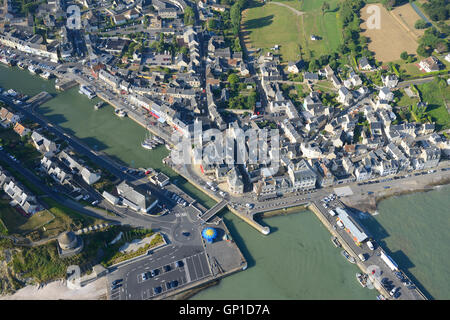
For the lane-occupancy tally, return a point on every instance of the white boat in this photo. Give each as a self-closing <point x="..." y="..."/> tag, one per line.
<point x="46" y="75"/>
<point x="87" y="91"/>
<point x="362" y="279"/>
<point x="12" y="93"/>
<point x="21" y="65"/>
<point x="4" y="60"/>
<point x="121" y="113"/>
<point x="158" y="139"/>
<point x="348" y="256"/>
<point x="33" y="69"/>
<point x="336" y="242"/>
<point x="98" y="105"/>
<point x="146" y="144"/>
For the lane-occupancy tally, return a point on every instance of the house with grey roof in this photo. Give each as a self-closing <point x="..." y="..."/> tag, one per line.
<point x="138" y="201"/>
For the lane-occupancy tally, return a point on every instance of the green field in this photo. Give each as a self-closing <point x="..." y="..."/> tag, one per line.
<point x="270" y="24"/>
<point x="434" y="93"/>
<point x="14" y="222"/>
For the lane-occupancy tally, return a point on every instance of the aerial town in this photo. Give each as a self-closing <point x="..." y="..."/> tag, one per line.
<point x="331" y="129"/>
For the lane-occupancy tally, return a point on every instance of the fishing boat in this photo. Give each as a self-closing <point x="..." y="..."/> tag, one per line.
<point x="87" y="91"/>
<point x="148" y="143"/>
<point x="33" y="69"/>
<point x="4" y="60"/>
<point x="362" y="279"/>
<point x="120" y="113"/>
<point x="336" y="242"/>
<point x="348" y="256"/>
<point x="21" y="65"/>
<point x="46" y="75"/>
<point x="98" y="105"/>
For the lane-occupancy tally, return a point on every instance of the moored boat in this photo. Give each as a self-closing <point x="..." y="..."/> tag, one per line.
<point x="87" y="91"/>
<point x="21" y="65"/>
<point x="336" y="242"/>
<point x="33" y="69"/>
<point x="362" y="279"/>
<point x="120" y="113"/>
<point x="46" y="75"/>
<point x="146" y="144"/>
<point x="348" y="256"/>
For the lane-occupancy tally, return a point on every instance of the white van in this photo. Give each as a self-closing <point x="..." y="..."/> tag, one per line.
<point x="332" y="213"/>
<point x="362" y="256"/>
<point x="370" y="245"/>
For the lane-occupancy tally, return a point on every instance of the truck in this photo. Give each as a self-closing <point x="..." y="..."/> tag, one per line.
<point x="389" y="261"/>
<point x="332" y="213"/>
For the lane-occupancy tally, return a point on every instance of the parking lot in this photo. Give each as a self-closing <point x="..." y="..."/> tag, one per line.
<point x="153" y="277"/>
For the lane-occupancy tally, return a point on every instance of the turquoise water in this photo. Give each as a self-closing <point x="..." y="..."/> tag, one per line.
<point x="297" y="260"/>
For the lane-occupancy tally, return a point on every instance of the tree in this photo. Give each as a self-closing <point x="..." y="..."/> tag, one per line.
<point x="189" y="16"/>
<point x="423" y="51"/>
<point x="212" y="24"/>
<point x="235" y="15"/>
<point x="325" y="7"/>
<point x="233" y="79"/>
<point x="313" y="65"/>
<point x="404" y="55"/>
<point x="421" y="24"/>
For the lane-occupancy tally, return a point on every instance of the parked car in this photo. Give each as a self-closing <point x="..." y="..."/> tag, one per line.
<point x="179" y="264"/>
<point x="157" y="290"/>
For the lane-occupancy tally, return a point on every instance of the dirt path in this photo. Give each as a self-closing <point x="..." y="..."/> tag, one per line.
<point x="298" y="13"/>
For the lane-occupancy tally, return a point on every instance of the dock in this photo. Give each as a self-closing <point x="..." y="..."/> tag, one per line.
<point x="373" y="262"/>
<point x="39" y="99"/>
<point x="64" y="84"/>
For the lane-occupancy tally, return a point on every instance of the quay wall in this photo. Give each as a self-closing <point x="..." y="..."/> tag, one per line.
<point x="327" y="225"/>
<point x="348" y="248"/>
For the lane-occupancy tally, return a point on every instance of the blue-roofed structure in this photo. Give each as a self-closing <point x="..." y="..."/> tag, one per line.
<point x="351" y="226"/>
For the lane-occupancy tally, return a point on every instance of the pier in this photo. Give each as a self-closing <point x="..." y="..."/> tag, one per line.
<point x="39" y="99"/>
<point x="65" y="84"/>
<point x="373" y="262"/>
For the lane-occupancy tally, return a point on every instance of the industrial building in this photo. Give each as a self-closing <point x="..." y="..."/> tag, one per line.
<point x="351" y="226"/>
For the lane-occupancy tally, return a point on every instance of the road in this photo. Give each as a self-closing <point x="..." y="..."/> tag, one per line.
<point x="31" y="177"/>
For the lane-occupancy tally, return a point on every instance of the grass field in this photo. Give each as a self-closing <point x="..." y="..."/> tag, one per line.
<point x="391" y="39"/>
<point x="263" y="26"/>
<point x="435" y="95"/>
<point x="16" y="223"/>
